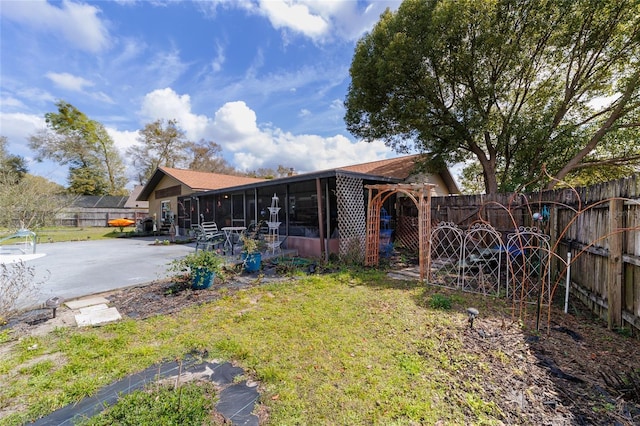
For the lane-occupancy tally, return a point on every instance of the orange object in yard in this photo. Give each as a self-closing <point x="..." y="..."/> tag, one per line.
<point x="121" y="223"/>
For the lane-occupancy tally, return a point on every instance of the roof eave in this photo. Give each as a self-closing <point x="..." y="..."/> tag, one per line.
<point x="298" y="178"/>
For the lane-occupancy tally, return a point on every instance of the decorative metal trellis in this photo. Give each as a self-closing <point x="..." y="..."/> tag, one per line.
<point x="481" y="260"/>
<point x="446" y="253"/>
<point x="478" y="261"/>
<point x="529" y="272"/>
<point x="350" y="202"/>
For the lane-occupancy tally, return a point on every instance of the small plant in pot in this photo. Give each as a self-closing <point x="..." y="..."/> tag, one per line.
<point x="201" y="266"/>
<point x="251" y="252"/>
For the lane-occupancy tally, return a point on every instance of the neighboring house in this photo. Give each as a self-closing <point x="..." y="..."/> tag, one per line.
<point x="96" y="210"/>
<point x="168" y="184"/>
<point x="315" y="208"/>
<point x="133" y="203"/>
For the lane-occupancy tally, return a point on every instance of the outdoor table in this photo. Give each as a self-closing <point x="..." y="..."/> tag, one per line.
<point x="229" y="231"/>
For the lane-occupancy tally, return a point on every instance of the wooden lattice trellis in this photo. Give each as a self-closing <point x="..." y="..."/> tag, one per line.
<point x="420" y="194"/>
<point x="350" y="200"/>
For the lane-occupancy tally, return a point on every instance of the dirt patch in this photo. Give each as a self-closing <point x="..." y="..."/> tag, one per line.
<point x="168" y="296"/>
<point x="555" y="379"/>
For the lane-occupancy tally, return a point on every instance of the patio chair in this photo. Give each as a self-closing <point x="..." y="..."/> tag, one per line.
<point x="208" y="237"/>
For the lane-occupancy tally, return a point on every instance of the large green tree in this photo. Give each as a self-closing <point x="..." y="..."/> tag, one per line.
<point x="524" y="87"/>
<point x="72" y="139"/>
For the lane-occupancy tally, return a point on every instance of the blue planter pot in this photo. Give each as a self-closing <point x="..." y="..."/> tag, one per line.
<point x="251" y="261"/>
<point x="202" y="278"/>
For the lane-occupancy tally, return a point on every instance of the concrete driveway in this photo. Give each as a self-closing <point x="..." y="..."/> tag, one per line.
<point x="76" y="269"/>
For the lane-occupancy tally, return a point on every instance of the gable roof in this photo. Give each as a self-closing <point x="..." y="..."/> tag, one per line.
<point x="132" y="201"/>
<point x="197" y="181"/>
<point x="394" y="168"/>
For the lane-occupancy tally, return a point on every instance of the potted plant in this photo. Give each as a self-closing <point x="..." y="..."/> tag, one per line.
<point x="251" y="251"/>
<point x="201" y="266"/>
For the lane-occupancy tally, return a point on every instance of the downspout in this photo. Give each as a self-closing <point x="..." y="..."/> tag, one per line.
<point x="320" y="216"/>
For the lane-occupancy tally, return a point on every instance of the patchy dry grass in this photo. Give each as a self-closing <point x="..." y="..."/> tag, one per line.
<point x="344" y="348"/>
<point x="335" y="349"/>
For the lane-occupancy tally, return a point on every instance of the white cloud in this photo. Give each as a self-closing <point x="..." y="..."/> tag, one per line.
<point x="35" y="95"/>
<point x="123" y="139"/>
<point x="249" y="145"/>
<point x="318" y="20"/>
<point x="68" y="81"/>
<point x="235" y="121"/>
<point x="165" y="68"/>
<point x="102" y="97"/>
<point x="77" y="23"/>
<point x="167" y="104"/>
<point x="74" y="83"/>
<point x="351" y="19"/>
<point x="218" y="61"/>
<point x="323" y="20"/>
<point x="10" y="102"/>
<point x="295" y="16"/>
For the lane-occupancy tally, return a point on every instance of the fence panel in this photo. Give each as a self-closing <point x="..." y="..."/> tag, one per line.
<point x="579" y="221"/>
<point x="94" y="217"/>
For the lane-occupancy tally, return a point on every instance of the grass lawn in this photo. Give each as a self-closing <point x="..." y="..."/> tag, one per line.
<point x="344" y="348"/>
<point x="65" y="233"/>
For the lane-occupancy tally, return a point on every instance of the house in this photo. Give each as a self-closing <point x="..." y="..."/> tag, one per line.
<point x="167" y="185"/>
<point x="316" y="208"/>
<point x="133" y="203"/>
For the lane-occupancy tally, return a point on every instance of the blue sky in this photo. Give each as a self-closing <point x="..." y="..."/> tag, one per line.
<point x="265" y="79"/>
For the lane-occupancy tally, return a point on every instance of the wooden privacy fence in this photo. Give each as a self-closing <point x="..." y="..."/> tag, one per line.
<point x="95" y="216"/>
<point x="599" y="225"/>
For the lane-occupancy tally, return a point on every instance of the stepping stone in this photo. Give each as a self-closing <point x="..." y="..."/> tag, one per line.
<point x="93" y="308"/>
<point x="95" y="317"/>
<point x="81" y="303"/>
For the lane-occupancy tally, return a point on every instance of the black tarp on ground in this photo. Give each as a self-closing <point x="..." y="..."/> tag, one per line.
<point x="236" y="402"/>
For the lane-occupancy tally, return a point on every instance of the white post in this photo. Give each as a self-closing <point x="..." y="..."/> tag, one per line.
<point x="567" y="284"/>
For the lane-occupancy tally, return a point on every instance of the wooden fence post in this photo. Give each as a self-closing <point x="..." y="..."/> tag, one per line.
<point x="615" y="264"/>
<point x="553" y="240"/>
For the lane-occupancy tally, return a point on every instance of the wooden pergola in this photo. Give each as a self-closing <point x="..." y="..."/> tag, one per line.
<point x="420" y="194"/>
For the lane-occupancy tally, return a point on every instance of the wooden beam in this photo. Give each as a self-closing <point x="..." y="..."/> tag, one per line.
<point x="615" y="264"/>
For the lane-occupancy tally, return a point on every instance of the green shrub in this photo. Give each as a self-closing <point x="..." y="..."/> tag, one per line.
<point x="440" y="301"/>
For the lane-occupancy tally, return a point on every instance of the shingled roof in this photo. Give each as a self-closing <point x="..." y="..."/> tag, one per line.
<point x="205" y="180"/>
<point x="197" y="181"/>
<point x="397" y="168"/>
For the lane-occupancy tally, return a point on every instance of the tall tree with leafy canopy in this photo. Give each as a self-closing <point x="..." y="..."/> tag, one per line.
<point x="161" y="143"/>
<point x="525" y="88"/>
<point x="72" y="139"/>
